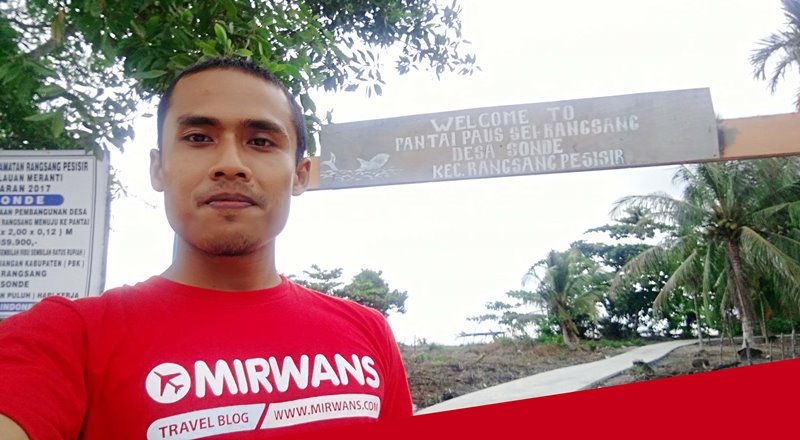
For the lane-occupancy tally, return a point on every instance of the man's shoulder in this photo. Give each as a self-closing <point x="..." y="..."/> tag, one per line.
<point x="108" y="300"/>
<point x="343" y="304"/>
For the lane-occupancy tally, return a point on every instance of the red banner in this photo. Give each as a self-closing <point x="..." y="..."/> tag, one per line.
<point x="745" y="402"/>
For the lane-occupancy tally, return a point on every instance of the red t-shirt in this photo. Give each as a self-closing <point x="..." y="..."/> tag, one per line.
<point x="161" y="360"/>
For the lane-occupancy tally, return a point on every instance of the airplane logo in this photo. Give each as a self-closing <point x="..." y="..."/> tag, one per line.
<point x="168" y="383"/>
<point x="166" y="379"/>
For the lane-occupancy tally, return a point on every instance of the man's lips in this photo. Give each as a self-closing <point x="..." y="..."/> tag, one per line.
<point x="229" y="201"/>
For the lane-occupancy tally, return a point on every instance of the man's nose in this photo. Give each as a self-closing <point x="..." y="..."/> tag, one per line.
<point x="229" y="163"/>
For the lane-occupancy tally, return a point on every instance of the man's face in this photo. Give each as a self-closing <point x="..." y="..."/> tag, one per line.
<point x="227" y="166"/>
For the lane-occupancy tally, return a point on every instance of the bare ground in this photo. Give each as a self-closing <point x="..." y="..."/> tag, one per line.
<point x="437" y="373"/>
<point x="693" y="359"/>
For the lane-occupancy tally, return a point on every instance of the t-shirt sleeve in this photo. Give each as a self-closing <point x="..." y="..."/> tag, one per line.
<point x="397" y="400"/>
<point x="42" y="358"/>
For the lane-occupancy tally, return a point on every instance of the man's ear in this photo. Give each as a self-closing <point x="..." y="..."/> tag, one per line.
<point x="156" y="180"/>
<point x="302" y="176"/>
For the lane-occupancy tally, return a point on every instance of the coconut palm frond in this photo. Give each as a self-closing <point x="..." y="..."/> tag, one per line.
<point x="765" y="214"/>
<point x="791" y="10"/>
<point x="762" y="253"/>
<point x="794" y="213"/>
<point x="787" y="187"/>
<point x="707" y="284"/>
<point x="684" y="276"/>
<point x="726" y="302"/>
<point x="650" y="259"/>
<point x="770" y="46"/>
<point x="707" y="271"/>
<point x="533" y="273"/>
<point x="711" y="179"/>
<point x="682" y="245"/>
<point x="761" y="56"/>
<point x="660" y="205"/>
<point x="788" y="303"/>
<point x="797" y="100"/>
<point x="788" y="245"/>
<point x="786" y="43"/>
<point x="684" y="174"/>
<point x="587" y="303"/>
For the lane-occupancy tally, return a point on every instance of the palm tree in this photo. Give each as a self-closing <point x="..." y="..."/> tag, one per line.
<point x="734" y="225"/>
<point x="683" y="254"/>
<point x="568" y="284"/>
<point x="785" y="45"/>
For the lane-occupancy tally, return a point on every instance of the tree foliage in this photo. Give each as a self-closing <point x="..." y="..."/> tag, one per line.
<point x="370" y="289"/>
<point x="73" y="72"/>
<point x="568" y="285"/>
<point x="728" y="250"/>
<point x="628" y="312"/>
<point x="519" y="318"/>
<point x="783" y="47"/>
<point x="367" y="288"/>
<point x="321" y="280"/>
<point x="565" y="290"/>
<point x="736" y="224"/>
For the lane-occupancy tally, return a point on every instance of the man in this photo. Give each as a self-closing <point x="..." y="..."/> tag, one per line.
<point x="220" y="342"/>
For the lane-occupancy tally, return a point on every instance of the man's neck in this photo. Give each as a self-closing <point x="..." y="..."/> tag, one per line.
<point x="253" y="271"/>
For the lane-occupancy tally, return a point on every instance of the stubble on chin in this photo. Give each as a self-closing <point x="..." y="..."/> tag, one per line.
<point x="231" y="246"/>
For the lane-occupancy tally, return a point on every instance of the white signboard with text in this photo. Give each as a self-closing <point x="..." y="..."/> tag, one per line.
<point x="53" y="226"/>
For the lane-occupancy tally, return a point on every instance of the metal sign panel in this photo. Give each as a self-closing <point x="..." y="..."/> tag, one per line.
<point x="52" y="226"/>
<point x="577" y="135"/>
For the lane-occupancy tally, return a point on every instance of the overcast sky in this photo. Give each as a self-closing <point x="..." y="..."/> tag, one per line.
<point x="453" y="246"/>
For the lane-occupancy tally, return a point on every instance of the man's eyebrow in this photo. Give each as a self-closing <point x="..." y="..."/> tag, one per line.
<point x="196" y="120"/>
<point x="266" y="125"/>
<point x="263" y="124"/>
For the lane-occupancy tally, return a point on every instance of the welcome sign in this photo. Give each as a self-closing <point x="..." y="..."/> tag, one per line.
<point x="577" y="135"/>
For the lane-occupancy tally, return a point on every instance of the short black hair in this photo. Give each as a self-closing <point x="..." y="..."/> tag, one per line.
<point x="242" y="65"/>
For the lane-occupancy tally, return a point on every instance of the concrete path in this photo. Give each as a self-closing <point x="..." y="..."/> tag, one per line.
<point x="562" y="380"/>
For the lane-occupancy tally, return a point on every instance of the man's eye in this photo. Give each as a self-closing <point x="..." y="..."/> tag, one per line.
<point x="196" y="137"/>
<point x="261" y="142"/>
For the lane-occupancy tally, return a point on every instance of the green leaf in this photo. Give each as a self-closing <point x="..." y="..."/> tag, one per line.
<point x="107" y="49"/>
<point x="311" y="146"/>
<point x="308" y="103"/>
<point x="292" y="70"/>
<point x="57" y="125"/>
<point x="207" y="48"/>
<point x="150" y="74"/>
<point x="243" y="52"/>
<point x="50" y="91"/>
<point x="153" y="22"/>
<point x="181" y="61"/>
<point x="41" y="116"/>
<point x="219" y="30"/>
<point x="138" y="29"/>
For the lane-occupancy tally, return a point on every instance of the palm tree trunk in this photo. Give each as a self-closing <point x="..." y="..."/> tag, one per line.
<point x="742" y="294"/>
<point x="569" y="333"/>
<point x="764" y="329"/>
<point x="697" y="320"/>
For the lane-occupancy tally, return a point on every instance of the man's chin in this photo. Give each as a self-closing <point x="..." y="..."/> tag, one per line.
<point x="229" y="248"/>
